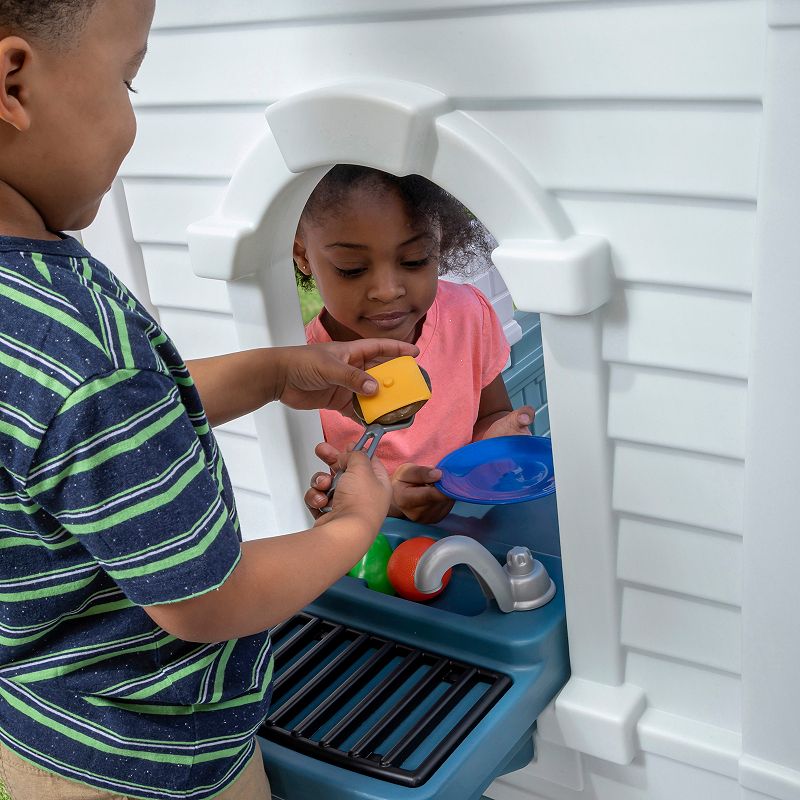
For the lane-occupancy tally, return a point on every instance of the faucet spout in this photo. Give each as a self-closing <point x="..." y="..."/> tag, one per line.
<point x="452" y="550"/>
<point x="523" y="584"/>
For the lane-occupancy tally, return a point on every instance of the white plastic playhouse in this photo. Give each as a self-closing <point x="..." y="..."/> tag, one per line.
<point x="638" y="162"/>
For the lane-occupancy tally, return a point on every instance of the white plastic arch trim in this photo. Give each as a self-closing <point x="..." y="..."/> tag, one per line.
<point x="402" y="128"/>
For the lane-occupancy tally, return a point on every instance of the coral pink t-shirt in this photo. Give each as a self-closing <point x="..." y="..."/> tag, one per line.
<point x="463" y="349"/>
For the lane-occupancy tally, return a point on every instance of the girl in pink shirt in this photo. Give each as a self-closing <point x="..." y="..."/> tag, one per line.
<point x="375" y="245"/>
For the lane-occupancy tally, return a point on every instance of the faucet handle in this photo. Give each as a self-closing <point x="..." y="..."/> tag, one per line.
<point x="531" y="586"/>
<point x="519" y="561"/>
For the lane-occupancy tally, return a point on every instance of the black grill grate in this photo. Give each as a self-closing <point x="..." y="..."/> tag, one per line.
<point x="371" y="705"/>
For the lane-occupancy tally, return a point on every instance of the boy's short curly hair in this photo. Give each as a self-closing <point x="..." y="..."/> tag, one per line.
<point x="466" y="245"/>
<point x="51" y="21"/>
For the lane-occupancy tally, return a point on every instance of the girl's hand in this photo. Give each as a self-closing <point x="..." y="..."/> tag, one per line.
<point x="415" y="497"/>
<point x="316" y="497"/>
<point x="514" y="423"/>
<point x="362" y="495"/>
<point x="326" y="375"/>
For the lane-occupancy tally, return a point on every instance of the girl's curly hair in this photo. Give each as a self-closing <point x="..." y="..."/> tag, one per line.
<point x="465" y="245"/>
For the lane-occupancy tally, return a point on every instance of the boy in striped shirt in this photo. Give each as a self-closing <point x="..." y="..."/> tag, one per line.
<point x="134" y="660"/>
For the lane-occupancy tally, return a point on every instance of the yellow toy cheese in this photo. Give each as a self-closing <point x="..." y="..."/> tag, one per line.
<point x="401" y="386"/>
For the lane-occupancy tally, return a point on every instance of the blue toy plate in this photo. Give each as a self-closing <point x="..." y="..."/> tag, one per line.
<point x="509" y="469"/>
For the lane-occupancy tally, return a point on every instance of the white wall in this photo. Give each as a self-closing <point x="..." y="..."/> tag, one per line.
<point x="644" y="120"/>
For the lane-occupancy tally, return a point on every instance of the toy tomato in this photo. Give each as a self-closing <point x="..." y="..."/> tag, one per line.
<point x="372" y="566"/>
<point x="403" y="564"/>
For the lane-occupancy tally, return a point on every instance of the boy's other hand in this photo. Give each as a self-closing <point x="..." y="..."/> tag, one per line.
<point x="326" y="375"/>
<point x="415" y="497"/>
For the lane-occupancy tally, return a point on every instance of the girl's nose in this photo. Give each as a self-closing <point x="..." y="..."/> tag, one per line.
<point x="385" y="289"/>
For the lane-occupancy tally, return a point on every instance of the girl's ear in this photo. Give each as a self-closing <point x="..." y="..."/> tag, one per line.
<point x="300" y="257"/>
<point x="15" y="55"/>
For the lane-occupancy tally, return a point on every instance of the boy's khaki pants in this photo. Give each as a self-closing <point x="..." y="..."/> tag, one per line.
<point x="24" y="781"/>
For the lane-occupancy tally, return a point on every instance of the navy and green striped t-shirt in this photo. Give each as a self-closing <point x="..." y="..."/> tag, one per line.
<point x="113" y="495"/>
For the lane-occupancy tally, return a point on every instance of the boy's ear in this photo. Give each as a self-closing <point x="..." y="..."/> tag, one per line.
<point x="300" y="257"/>
<point x="15" y="55"/>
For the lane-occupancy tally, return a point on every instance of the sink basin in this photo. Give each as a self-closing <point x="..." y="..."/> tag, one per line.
<point x="524" y="652"/>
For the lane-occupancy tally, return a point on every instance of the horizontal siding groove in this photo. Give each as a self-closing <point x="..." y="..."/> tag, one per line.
<point x="672" y="371"/>
<point x="699" y="201"/>
<point x="709" y="371"/>
<point x="679" y="523"/>
<point x="722" y="535"/>
<point x="669" y="449"/>
<point x="240" y="434"/>
<point x="431" y="12"/>
<point x="627" y="193"/>
<point x="663" y="592"/>
<point x="217" y="108"/>
<point x="744" y="103"/>
<point x="252" y="493"/>
<point x="192" y="181"/>
<point x="642" y="651"/>
<point x="334" y="19"/>
<point x="195" y="312"/>
<point x="694" y="291"/>
<point x="509" y="103"/>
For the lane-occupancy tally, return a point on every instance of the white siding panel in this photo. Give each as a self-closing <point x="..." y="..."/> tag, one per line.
<point x="678" y="329"/>
<point x="670" y="150"/>
<point x="684" y="244"/>
<point x="709" y="49"/>
<point x="684" y="560"/>
<point x="207" y="143"/>
<point x="256" y="514"/>
<point x="678" y="409"/>
<point x="244" y="461"/>
<point x="688" y="691"/>
<point x="161" y="210"/>
<point x="684" y="629"/>
<point x="703" y="491"/>
<point x="197" y="335"/>
<point x="173" y="283"/>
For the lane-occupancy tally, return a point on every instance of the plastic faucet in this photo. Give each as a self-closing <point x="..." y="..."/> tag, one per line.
<point x="521" y="585"/>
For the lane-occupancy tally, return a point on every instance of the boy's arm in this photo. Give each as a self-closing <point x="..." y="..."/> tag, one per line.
<point x="276" y="577"/>
<point x="310" y="376"/>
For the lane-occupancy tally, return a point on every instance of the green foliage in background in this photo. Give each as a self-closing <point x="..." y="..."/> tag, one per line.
<point x="3" y="793"/>
<point x="310" y="305"/>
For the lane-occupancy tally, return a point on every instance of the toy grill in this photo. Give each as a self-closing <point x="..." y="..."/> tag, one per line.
<point x="372" y="705"/>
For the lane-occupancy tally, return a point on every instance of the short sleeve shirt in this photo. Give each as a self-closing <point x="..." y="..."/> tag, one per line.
<point x="463" y="348"/>
<point x="113" y="495"/>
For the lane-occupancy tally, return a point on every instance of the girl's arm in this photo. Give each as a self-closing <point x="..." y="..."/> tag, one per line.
<point x="495" y="416"/>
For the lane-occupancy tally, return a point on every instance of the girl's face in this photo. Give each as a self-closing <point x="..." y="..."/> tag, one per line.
<point x="375" y="272"/>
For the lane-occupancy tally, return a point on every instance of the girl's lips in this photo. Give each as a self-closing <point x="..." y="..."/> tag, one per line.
<point x="388" y="321"/>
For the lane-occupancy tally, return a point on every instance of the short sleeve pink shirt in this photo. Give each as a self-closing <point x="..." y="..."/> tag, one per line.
<point x="463" y="348"/>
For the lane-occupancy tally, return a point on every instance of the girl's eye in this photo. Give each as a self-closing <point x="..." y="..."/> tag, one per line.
<point x="349" y="273"/>
<point x="419" y="263"/>
<point x="129" y="86"/>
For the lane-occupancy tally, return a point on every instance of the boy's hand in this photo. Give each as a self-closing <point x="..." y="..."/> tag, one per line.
<point x="415" y="497"/>
<point x="363" y="493"/>
<point x="326" y="375"/>
<point x="514" y="423"/>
